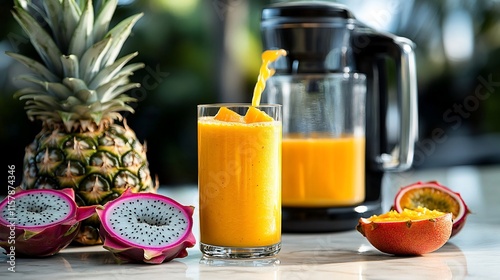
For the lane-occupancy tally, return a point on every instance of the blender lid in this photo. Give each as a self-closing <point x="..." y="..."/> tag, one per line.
<point x="313" y="10"/>
<point x="317" y="36"/>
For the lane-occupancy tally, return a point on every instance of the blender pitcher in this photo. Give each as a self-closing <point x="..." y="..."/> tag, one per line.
<point x="333" y="85"/>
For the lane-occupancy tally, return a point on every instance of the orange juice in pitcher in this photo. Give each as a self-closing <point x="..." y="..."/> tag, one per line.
<point x="322" y="171"/>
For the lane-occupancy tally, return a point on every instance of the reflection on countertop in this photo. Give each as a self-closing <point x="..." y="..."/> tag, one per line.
<point x="473" y="254"/>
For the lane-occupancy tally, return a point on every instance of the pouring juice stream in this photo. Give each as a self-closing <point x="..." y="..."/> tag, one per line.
<point x="265" y="73"/>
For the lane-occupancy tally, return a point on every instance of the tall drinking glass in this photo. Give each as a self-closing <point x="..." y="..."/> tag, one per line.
<point x="239" y="179"/>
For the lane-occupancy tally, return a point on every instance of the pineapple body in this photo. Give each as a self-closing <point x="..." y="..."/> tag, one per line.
<point x="98" y="165"/>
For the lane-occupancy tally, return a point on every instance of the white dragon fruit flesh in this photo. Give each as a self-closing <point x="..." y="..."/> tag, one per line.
<point x="40" y="222"/>
<point x="146" y="227"/>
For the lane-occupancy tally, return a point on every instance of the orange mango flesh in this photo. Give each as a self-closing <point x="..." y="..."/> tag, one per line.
<point x="254" y="115"/>
<point x="419" y="213"/>
<point x="226" y="115"/>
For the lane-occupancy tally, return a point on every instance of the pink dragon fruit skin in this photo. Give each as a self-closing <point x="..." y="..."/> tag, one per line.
<point x="45" y="239"/>
<point x="130" y="247"/>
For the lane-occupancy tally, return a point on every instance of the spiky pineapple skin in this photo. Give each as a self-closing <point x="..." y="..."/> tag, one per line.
<point x="98" y="165"/>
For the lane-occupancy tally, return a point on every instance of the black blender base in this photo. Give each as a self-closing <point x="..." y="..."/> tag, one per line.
<point x="329" y="219"/>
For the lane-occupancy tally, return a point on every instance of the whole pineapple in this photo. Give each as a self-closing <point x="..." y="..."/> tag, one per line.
<point x="77" y="90"/>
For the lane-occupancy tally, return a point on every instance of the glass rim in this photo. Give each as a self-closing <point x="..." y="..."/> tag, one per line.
<point x="353" y="75"/>
<point x="240" y="105"/>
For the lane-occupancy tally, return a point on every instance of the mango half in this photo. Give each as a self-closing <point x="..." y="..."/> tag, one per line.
<point x="410" y="232"/>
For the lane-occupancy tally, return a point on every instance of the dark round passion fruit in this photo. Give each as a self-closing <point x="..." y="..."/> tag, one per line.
<point x="433" y="196"/>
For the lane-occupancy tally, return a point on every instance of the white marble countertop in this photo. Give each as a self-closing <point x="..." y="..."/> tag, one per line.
<point x="473" y="254"/>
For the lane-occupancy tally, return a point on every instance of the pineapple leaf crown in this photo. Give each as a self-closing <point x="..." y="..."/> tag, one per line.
<point x="78" y="82"/>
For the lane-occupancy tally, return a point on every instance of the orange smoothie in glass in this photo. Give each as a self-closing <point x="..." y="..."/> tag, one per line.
<point x="323" y="172"/>
<point x="239" y="175"/>
<point x="239" y="182"/>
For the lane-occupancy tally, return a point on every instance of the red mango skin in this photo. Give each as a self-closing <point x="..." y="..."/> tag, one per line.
<point x="407" y="237"/>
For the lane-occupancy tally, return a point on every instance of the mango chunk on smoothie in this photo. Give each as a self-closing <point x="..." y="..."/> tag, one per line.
<point x="255" y="115"/>
<point x="227" y="115"/>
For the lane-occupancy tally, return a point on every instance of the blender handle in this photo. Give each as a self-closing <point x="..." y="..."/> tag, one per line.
<point x="401" y="157"/>
<point x="370" y="57"/>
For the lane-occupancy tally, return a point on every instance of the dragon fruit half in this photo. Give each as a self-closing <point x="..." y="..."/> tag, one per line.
<point x="40" y="222"/>
<point x="146" y="227"/>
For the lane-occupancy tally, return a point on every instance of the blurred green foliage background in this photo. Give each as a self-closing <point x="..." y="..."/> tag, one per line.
<point x="204" y="51"/>
<point x="182" y="45"/>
